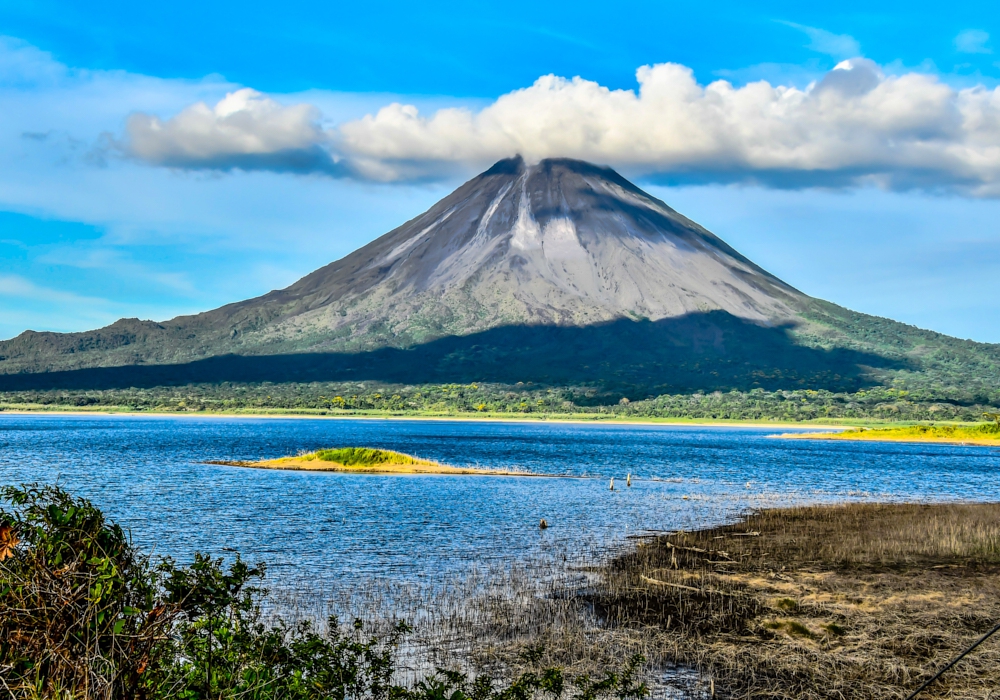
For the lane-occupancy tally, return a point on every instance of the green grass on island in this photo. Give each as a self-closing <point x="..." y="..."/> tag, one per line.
<point x="365" y="457"/>
<point x="983" y="434"/>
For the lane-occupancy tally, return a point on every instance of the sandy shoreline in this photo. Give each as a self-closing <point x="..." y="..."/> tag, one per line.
<point x="678" y="422"/>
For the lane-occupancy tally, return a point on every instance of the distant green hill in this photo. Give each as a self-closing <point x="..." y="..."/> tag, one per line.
<point x="560" y="274"/>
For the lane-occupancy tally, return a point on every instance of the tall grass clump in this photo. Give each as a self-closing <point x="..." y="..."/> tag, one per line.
<point x="85" y="615"/>
<point x="366" y="457"/>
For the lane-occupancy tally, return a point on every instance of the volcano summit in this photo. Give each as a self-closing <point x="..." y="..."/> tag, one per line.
<point x="558" y="272"/>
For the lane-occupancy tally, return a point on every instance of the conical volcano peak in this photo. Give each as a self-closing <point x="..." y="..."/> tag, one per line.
<point x="556" y="173"/>
<point x="560" y="242"/>
<point x="567" y="187"/>
<point x="554" y="188"/>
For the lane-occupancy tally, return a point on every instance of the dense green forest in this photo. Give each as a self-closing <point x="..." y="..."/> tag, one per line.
<point x="877" y="403"/>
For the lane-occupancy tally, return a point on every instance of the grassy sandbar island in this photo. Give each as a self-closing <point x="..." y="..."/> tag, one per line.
<point x="367" y="460"/>
<point x="982" y="434"/>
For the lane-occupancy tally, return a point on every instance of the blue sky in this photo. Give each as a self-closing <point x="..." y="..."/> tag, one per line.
<point x="865" y="170"/>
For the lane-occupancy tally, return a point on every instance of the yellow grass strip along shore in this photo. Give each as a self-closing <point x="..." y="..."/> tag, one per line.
<point x="376" y="415"/>
<point x="987" y="434"/>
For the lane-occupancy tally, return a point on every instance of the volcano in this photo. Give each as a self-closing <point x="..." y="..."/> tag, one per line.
<point x="560" y="272"/>
<point x="561" y="243"/>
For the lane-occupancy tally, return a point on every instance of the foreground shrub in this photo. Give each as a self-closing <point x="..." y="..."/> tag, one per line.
<point x="80" y="611"/>
<point x="84" y="614"/>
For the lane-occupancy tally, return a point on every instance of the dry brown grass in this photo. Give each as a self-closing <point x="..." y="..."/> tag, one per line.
<point x="849" y="601"/>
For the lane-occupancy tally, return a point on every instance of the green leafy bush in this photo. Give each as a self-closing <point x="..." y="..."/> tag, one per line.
<point x="80" y="613"/>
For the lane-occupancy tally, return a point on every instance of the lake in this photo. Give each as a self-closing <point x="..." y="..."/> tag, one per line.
<point x="320" y="530"/>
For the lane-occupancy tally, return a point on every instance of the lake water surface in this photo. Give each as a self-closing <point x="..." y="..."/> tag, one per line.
<point x="327" y="529"/>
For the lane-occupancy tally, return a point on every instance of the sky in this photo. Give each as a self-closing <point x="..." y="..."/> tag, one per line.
<point x="164" y="160"/>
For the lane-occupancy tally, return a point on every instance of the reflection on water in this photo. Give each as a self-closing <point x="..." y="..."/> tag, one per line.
<point x="320" y="529"/>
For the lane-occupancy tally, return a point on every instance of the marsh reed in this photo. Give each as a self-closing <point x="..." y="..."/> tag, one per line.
<point x="845" y="601"/>
<point x="486" y="620"/>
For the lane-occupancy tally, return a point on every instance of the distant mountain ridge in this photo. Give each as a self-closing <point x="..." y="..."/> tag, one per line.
<point x="560" y="244"/>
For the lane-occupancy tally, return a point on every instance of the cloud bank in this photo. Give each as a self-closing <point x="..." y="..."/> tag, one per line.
<point x="855" y="126"/>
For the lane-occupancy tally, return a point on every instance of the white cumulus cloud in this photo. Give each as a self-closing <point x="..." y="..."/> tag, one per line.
<point x="245" y="130"/>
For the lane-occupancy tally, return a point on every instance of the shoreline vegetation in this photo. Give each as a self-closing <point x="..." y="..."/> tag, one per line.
<point x="959" y="433"/>
<point x="820" y="602"/>
<point x="986" y="434"/>
<point x="85" y="614"/>
<point x="366" y="460"/>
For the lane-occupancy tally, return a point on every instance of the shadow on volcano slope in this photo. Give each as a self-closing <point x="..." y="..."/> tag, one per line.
<point x="710" y="351"/>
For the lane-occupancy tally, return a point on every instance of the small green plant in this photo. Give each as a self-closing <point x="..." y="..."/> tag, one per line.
<point x="834" y="629"/>
<point x="797" y="629"/>
<point x="792" y="627"/>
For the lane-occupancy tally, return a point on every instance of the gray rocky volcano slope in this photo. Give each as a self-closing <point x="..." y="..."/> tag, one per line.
<point x="495" y="278"/>
<point x="557" y="243"/>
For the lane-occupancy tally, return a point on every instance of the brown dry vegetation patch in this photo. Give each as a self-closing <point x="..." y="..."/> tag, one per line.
<point x="848" y="601"/>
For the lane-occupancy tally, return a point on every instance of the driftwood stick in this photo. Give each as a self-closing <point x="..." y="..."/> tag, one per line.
<point x="699" y="550"/>
<point x="681" y="586"/>
<point x="656" y="582"/>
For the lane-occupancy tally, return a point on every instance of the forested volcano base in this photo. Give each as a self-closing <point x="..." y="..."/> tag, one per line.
<point x="837" y="364"/>
<point x="515" y="400"/>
